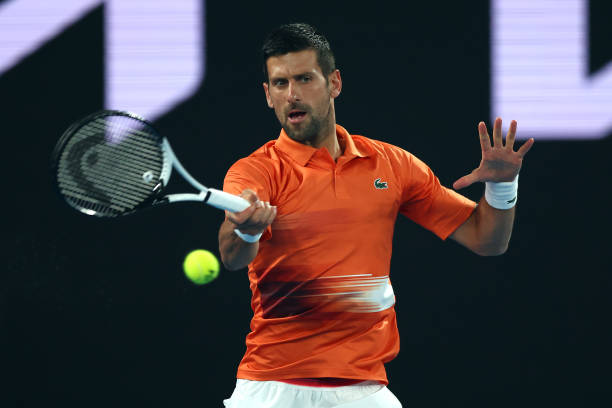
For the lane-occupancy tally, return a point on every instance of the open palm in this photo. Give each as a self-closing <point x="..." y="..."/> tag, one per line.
<point x="499" y="162"/>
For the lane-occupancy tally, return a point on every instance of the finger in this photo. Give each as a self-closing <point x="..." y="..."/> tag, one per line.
<point x="261" y="213"/>
<point x="249" y="195"/>
<point x="497" y="133"/>
<point x="231" y="217"/>
<point x="485" y="142"/>
<point x="257" y="207"/>
<point x="465" y="181"/>
<point x="511" y="135"/>
<point x="269" y="216"/>
<point x="522" y="151"/>
<point x="241" y="217"/>
<point x="260" y="220"/>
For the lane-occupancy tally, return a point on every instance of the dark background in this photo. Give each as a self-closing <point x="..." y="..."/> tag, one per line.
<point x="98" y="312"/>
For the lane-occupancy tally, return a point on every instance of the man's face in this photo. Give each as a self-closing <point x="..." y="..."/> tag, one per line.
<point x="301" y="96"/>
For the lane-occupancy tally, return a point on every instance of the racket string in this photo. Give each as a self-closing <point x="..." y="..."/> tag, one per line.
<point x="126" y="197"/>
<point x="118" y="166"/>
<point x="111" y="165"/>
<point x="121" y="165"/>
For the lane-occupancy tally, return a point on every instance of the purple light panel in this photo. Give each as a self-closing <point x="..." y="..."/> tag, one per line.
<point x="154" y="54"/>
<point x="26" y="25"/>
<point x="540" y="70"/>
<point x="154" y="50"/>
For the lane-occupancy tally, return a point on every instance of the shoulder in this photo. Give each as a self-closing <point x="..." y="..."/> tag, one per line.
<point x="262" y="159"/>
<point x="383" y="150"/>
<point x="403" y="165"/>
<point x="258" y="172"/>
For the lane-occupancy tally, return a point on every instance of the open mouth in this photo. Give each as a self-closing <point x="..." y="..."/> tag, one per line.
<point x="296" y="116"/>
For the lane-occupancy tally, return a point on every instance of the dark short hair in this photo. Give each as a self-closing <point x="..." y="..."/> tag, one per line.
<point x="298" y="37"/>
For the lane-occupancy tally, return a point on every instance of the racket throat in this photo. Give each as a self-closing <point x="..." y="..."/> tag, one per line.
<point x="158" y="188"/>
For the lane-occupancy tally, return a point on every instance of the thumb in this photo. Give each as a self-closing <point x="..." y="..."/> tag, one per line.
<point x="250" y="196"/>
<point x="242" y="216"/>
<point x="465" y="181"/>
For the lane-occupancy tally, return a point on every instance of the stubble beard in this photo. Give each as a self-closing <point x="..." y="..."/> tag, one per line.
<point x="310" y="132"/>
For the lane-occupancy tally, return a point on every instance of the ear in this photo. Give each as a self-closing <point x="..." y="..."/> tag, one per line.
<point x="267" y="91"/>
<point x="335" y="83"/>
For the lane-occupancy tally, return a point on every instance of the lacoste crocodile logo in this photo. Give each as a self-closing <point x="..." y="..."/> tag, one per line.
<point x="380" y="185"/>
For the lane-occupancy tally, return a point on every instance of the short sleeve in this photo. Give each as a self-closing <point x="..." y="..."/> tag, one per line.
<point x="428" y="203"/>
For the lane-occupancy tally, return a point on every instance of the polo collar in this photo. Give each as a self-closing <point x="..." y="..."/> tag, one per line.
<point x="302" y="153"/>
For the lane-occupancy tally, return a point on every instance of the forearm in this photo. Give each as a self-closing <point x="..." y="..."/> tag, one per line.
<point x="492" y="229"/>
<point x="235" y="253"/>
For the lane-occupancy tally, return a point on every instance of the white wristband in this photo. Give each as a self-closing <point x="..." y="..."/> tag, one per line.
<point x="502" y="195"/>
<point x="247" y="237"/>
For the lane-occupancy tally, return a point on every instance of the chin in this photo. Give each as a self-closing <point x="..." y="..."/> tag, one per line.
<point x="294" y="135"/>
<point x="305" y="132"/>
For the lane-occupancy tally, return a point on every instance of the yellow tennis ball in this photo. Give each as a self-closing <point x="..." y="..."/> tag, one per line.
<point x="201" y="266"/>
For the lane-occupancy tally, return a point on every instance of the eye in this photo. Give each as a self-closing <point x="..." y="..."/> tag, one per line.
<point x="279" y="82"/>
<point x="305" y="78"/>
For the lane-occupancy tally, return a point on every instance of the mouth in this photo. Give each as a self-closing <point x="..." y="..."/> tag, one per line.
<point x="296" y="116"/>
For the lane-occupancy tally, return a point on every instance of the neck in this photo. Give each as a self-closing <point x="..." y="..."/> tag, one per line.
<point x="329" y="140"/>
<point x="327" y="137"/>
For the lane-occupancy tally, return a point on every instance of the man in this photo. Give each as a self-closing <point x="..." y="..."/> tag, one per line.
<point x="317" y="236"/>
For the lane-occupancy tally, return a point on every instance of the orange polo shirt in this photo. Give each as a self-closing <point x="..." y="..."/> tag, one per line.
<point x="322" y="298"/>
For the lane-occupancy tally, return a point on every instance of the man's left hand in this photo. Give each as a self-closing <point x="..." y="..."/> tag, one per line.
<point x="499" y="162"/>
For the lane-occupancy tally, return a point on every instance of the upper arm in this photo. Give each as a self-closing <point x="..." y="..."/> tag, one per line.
<point x="428" y="203"/>
<point x="465" y="234"/>
<point x="487" y="231"/>
<point x="252" y="174"/>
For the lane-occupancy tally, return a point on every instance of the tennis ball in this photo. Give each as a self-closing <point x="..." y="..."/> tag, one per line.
<point x="201" y="266"/>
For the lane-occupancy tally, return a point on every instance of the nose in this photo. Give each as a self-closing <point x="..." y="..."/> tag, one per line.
<point x="293" y="95"/>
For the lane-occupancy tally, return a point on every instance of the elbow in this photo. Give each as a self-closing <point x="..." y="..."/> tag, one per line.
<point x="229" y="265"/>
<point x="491" y="250"/>
<point x="232" y="263"/>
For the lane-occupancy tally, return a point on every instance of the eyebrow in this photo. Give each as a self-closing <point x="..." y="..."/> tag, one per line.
<point x="296" y="76"/>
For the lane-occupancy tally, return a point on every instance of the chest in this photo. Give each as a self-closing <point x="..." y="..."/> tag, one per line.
<point x="362" y="189"/>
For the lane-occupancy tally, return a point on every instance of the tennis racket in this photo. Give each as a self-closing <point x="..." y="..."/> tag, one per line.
<point x="113" y="163"/>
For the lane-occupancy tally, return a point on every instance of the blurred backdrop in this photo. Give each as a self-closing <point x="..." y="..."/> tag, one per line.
<point x="98" y="312"/>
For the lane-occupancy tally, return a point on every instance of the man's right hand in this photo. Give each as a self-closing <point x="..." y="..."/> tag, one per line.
<point x="254" y="219"/>
<point x="235" y="252"/>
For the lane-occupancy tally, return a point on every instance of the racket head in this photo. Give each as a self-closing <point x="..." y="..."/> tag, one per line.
<point x="110" y="163"/>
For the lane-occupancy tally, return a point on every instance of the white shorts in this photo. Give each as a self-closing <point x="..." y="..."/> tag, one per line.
<point x="275" y="394"/>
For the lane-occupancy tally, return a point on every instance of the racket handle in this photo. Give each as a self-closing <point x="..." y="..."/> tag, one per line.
<point x="226" y="201"/>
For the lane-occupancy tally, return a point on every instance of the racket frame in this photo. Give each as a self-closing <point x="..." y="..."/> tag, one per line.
<point x="213" y="197"/>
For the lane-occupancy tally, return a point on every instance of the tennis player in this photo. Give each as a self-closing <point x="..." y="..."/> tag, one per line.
<point x="317" y="237"/>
